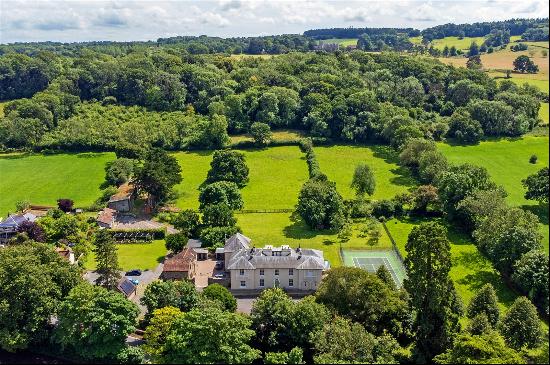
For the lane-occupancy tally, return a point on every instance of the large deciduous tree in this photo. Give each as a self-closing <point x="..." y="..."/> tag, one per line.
<point x="320" y="205"/>
<point x="178" y="294"/>
<point x="485" y="301"/>
<point x="226" y="192"/>
<point x="521" y="325"/>
<point x="531" y="275"/>
<point x="94" y="322"/>
<point x="432" y="294"/>
<point x="222" y="295"/>
<point x="537" y="186"/>
<point x="33" y="281"/>
<point x="208" y="336"/>
<point x="363" y="180"/>
<point x="228" y="166"/>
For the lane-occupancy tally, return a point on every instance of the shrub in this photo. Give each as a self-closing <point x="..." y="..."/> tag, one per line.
<point x="65" y="205"/>
<point x="222" y="295"/>
<point x="533" y="159"/>
<point x="176" y="242"/>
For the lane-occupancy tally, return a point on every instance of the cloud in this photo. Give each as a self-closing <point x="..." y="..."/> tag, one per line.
<point x="214" y="19"/>
<point x="423" y="13"/>
<point x="57" y="25"/>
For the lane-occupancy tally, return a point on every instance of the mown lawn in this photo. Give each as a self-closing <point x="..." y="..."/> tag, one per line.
<point x="338" y="163"/>
<point x="277" y="135"/>
<point x="276" y="177"/>
<point x="144" y="256"/>
<point x="507" y="161"/>
<point x="42" y="179"/>
<point x="194" y="167"/>
<point x="543" y="112"/>
<point x="285" y="229"/>
<point x="470" y="269"/>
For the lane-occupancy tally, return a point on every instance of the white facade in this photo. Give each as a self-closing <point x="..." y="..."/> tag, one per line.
<point x="268" y="267"/>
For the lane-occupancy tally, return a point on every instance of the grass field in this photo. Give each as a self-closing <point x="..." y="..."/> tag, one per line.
<point x="194" y="167"/>
<point x="543" y="112"/>
<point x="507" y="161"/>
<point x="42" y="179"/>
<point x="2" y="103"/>
<point x="144" y="256"/>
<point x="463" y="44"/>
<point x="276" y="176"/>
<point x="339" y="162"/>
<point x="344" y="42"/>
<point x="469" y="271"/>
<point x="285" y="229"/>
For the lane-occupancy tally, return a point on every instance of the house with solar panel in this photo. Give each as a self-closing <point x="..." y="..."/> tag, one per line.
<point x="10" y="226"/>
<point x="260" y="268"/>
<point x="127" y="288"/>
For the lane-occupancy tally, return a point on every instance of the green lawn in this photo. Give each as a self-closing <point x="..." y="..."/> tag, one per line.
<point x="42" y="179"/>
<point x="507" y="161"/>
<point x="470" y="270"/>
<point x="144" y="256"/>
<point x="194" y="167"/>
<point x="463" y="44"/>
<point x="276" y="177"/>
<point x="543" y="112"/>
<point x="284" y="229"/>
<point x="339" y="162"/>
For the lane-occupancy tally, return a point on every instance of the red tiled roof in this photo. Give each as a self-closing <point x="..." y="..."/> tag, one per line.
<point x="106" y="216"/>
<point x="180" y="262"/>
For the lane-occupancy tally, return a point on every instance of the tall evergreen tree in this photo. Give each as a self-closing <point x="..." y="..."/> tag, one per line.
<point x="432" y="293"/>
<point x="521" y="326"/>
<point x="107" y="260"/>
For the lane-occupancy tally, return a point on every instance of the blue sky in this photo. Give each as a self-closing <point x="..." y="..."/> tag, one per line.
<point x="69" y="20"/>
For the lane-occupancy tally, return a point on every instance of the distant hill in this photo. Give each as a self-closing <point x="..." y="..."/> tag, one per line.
<point x="328" y="33"/>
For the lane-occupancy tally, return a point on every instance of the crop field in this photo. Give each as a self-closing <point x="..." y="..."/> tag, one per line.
<point x="144" y="256"/>
<point x="503" y="60"/>
<point x="507" y="161"/>
<point x="42" y="179"/>
<point x="286" y="229"/>
<point x="469" y="271"/>
<point x="338" y="163"/>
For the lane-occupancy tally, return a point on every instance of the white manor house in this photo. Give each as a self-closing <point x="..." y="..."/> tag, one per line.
<point x="268" y="267"/>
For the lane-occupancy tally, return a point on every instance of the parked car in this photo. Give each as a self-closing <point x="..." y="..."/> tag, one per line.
<point x="133" y="272"/>
<point x="220" y="275"/>
<point x="219" y="265"/>
<point x="134" y="281"/>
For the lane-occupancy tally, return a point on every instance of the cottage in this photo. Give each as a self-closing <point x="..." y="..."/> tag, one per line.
<point x="268" y="267"/>
<point x="180" y="266"/>
<point x="123" y="200"/>
<point x="106" y="218"/>
<point x="10" y="226"/>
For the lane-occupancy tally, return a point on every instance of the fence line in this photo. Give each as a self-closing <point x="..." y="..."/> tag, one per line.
<point x="394" y="245"/>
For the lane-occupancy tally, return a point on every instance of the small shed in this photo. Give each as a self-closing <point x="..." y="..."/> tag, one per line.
<point x="123" y="200"/>
<point x="127" y="288"/>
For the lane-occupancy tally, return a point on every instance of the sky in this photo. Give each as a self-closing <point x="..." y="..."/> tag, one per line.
<point x="92" y="20"/>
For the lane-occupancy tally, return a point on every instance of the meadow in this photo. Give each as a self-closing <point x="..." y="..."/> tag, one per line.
<point x="338" y="163"/>
<point x="507" y="161"/>
<point x="469" y="271"/>
<point x="194" y="167"/>
<point x="42" y="179"/>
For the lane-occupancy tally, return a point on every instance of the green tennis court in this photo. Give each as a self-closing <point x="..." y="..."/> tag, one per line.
<point x="371" y="260"/>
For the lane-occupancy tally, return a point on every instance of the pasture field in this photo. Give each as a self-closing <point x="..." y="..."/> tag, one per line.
<point x="338" y="163"/>
<point x="144" y="256"/>
<point x="544" y="113"/>
<point x="286" y="229"/>
<point x="469" y="271"/>
<point x="276" y="177"/>
<point x="42" y="179"/>
<point x="194" y="167"/>
<point x="507" y="161"/>
<point x="344" y="42"/>
<point x="463" y="44"/>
